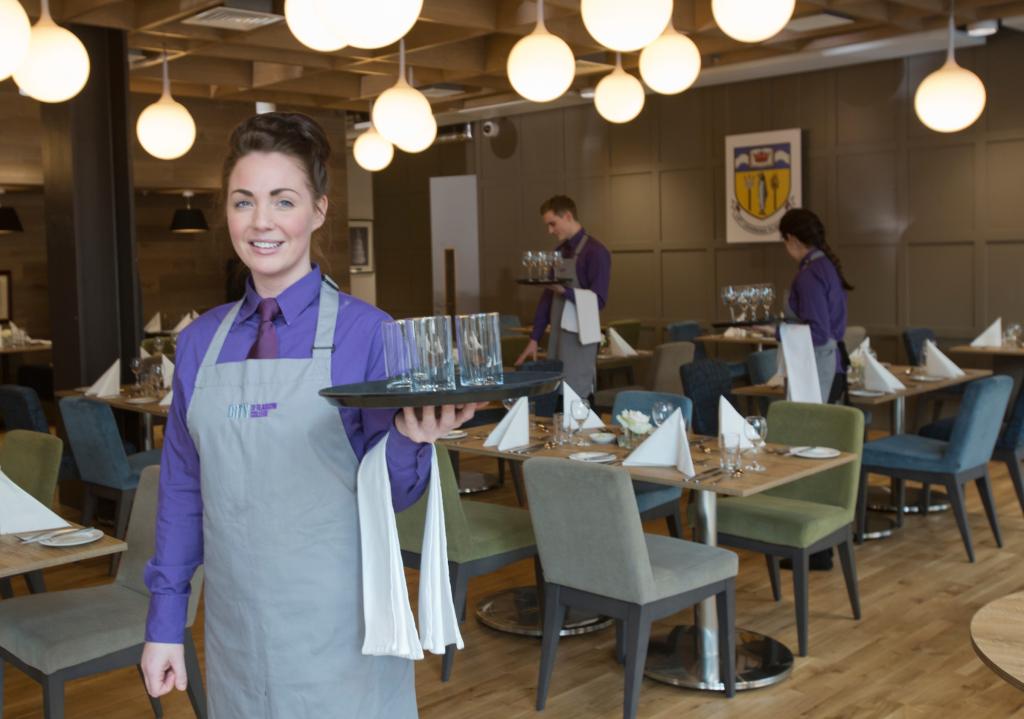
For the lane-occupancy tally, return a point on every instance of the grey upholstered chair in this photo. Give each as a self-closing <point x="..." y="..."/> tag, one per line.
<point x="596" y="556"/>
<point x="59" y="636"/>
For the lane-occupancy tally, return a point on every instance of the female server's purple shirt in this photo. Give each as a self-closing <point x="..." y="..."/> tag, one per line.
<point x="358" y="357"/>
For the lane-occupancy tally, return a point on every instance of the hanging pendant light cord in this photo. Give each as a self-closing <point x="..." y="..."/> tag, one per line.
<point x="167" y="77"/>
<point x="540" y="14"/>
<point x="952" y="28"/>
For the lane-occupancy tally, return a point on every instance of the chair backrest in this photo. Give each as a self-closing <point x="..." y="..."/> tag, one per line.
<point x="511" y="347"/>
<point x="853" y="336"/>
<point x="685" y="331"/>
<point x="668" y="358"/>
<point x="704" y="381"/>
<point x="643" y="401"/>
<point x="913" y="343"/>
<point x="822" y="425"/>
<point x="628" y="330"/>
<point x="545" y="405"/>
<point x="95" y="442"/>
<point x="588" y="528"/>
<point x="761" y="365"/>
<point x="141" y="539"/>
<point x="32" y="461"/>
<point x="21" y="409"/>
<point x="412" y="520"/>
<point x="978" y="422"/>
<point x="1013" y="436"/>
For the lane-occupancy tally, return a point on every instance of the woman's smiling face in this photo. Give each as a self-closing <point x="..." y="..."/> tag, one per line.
<point x="272" y="214"/>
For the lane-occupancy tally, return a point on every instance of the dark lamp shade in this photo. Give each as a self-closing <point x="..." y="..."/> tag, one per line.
<point x="9" y="221"/>
<point x="189" y="220"/>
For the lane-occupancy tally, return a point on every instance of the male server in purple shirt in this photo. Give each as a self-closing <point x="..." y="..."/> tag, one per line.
<point x="589" y="268"/>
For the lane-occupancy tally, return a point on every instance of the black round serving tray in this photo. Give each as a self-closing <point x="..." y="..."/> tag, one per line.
<point x="377" y="395"/>
<point x="556" y="281"/>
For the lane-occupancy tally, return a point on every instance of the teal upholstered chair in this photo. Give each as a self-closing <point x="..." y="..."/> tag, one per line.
<point x="797" y="519"/>
<point x="482" y="538"/>
<point x="20" y="408"/>
<point x="60" y="636"/>
<point x="596" y="557"/>
<point x="761" y="367"/>
<point x="951" y="464"/>
<point x="656" y="500"/>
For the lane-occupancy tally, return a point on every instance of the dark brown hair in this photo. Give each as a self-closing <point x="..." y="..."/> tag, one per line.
<point x="559" y="204"/>
<point x="806" y="227"/>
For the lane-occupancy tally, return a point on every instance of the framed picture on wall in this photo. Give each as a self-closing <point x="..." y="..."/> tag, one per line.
<point x="6" y="296"/>
<point x="763" y="180"/>
<point x="360" y="246"/>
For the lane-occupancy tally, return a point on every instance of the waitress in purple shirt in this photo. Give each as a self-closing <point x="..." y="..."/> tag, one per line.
<point x="258" y="473"/>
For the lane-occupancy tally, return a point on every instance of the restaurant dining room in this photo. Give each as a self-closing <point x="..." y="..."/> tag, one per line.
<point x="485" y="358"/>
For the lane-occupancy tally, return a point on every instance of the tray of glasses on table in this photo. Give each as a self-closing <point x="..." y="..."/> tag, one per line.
<point x="555" y="281"/>
<point x="377" y="395"/>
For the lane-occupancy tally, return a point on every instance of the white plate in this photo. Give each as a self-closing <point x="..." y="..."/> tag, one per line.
<point x="925" y="378"/>
<point x="865" y="393"/>
<point x="141" y="400"/>
<point x="593" y="457"/>
<point x="73" y="539"/>
<point x="817" y="453"/>
<point x="455" y="434"/>
<point x="602" y="437"/>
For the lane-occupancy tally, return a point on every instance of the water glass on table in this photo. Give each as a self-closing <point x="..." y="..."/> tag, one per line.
<point x="756" y="429"/>
<point x="559" y="437"/>
<point x="729" y="452"/>
<point x="580" y="410"/>
<point x="135" y="365"/>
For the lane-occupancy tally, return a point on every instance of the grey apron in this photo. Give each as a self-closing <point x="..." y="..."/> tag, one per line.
<point x="284" y="618"/>
<point x="824" y="355"/>
<point x="579" y="362"/>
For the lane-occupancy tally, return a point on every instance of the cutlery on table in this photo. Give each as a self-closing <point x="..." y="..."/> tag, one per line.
<point x="51" y="534"/>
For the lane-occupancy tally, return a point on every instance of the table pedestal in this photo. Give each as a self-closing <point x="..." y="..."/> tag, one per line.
<point x="880" y="499"/>
<point x="474" y="482"/>
<point x="879" y="526"/>
<point x="518" y="611"/>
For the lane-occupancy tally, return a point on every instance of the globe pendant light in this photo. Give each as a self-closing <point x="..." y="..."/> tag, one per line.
<point x="370" y="24"/>
<point x="15" y="32"/>
<point x="166" y="129"/>
<point x="952" y="97"/>
<point x="541" y="66"/>
<point x="56" y="66"/>
<point x="372" y="151"/>
<point x="402" y="114"/>
<point x="671" y="63"/>
<point x="624" y="25"/>
<point x="305" y="19"/>
<point x="619" y="97"/>
<point x="752" y="20"/>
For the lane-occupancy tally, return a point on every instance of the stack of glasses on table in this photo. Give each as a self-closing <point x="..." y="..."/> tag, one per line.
<point x="743" y="301"/>
<point x="149" y="377"/>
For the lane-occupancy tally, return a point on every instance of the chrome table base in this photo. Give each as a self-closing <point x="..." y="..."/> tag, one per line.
<point x="473" y="482"/>
<point x="517" y="611"/>
<point x="879" y="526"/>
<point x="880" y="499"/>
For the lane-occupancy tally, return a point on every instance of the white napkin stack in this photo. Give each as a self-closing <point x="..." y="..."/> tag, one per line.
<point x="667" y="447"/>
<point x="168" y="398"/>
<point x="387" y="614"/>
<point x="801" y="367"/>
<point x="731" y="422"/>
<point x="991" y="337"/>
<point x="582" y="316"/>
<point x="617" y="346"/>
<point x="167" y="370"/>
<point x="937" y="364"/>
<point x="21" y="512"/>
<point x="109" y="383"/>
<point x="154" y="324"/>
<point x="878" y="379"/>
<point x="185" y="321"/>
<point x="568" y="395"/>
<point x="514" y="428"/>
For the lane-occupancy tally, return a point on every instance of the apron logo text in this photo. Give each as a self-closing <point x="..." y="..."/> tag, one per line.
<point x="250" y="411"/>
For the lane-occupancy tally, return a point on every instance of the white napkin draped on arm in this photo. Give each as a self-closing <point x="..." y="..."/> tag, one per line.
<point x="390" y="628"/>
<point x="514" y="428"/>
<point x="21" y="512"/>
<point x="801" y="367"/>
<point x="582" y="316"/>
<point x="731" y="422"/>
<point x="568" y="395"/>
<point x="154" y="324"/>
<point x="991" y="337"/>
<point x="109" y="383"/>
<point x="878" y="379"/>
<point x="617" y="346"/>
<point x="936" y="364"/>
<point x="667" y="447"/>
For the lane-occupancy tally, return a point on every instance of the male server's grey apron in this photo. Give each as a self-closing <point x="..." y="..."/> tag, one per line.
<point x="579" y="361"/>
<point x="284" y="619"/>
<point x="824" y="355"/>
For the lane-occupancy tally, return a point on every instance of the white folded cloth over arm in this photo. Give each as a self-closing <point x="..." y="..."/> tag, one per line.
<point x="877" y="378"/>
<point x="390" y="628"/>
<point x="109" y="383"/>
<point x="21" y="512"/>
<point x="937" y="364"/>
<point x="617" y="346"/>
<point x="154" y="324"/>
<point x="991" y="337"/>
<point x="582" y="316"/>
<point x="667" y="447"/>
<point x="514" y="428"/>
<point x="731" y="422"/>
<point x="801" y="367"/>
<point x="568" y="395"/>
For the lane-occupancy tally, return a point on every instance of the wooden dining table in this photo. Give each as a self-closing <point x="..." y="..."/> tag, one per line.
<point x="689" y="656"/>
<point x="8" y="351"/>
<point x="997" y="635"/>
<point x="17" y="558"/>
<point x="1004" y="359"/>
<point x="125" y="402"/>
<point x="758" y="341"/>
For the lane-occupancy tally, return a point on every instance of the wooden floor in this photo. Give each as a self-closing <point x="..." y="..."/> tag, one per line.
<point x="910" y="655"/>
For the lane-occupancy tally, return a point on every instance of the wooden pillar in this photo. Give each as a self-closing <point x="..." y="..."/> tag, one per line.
<point x="90" y="218"/>
<point x="450" y="292"/>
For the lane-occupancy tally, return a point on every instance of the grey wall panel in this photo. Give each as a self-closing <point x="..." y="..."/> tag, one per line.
<point x="501" y="245"/>
<point x="941" y="283"/>
<point x="633" y="211"/>
<point x="803" y="101"/>
<point x="532" y="229"/>
<point x="687" y="291"/>
<point x="501" y="157"/>
<point x="687" y="204"/>
<point x="868" y="102"/>
<point x="872" y="270"/>
<point x="738" y="265"/>
<point x="1004" y="184"/>
<point x="634" y="290"/>
<point x="684" y="137"/>
<point x="1003" y="83"/>
<point x="1004" y="289"/>
<point x="866" y="196"/>
<point x="633" y="145"/>
<point x="591" y="197"/>
<point x="542" y="144"/>
<point x="586" y="141"/>
<point x="940" y="189"/>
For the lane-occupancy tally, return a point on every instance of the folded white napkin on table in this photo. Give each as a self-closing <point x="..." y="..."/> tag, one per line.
<point x="937" y="364"/>
<point x="991" y="337"/>
<point x="801" y="368"/>
<point x="514" y="428"/>
<point x="667" y="447"/>
<point x="168" y="398"/>
<point x="143" y="354"/>
<point x="617" y="346"/>
<point x="154" y="324"/>
<point x="389" y="626"/>
<point x="167" y="368"/>
<point x="878" y="379"/>
<point x="185" y="321"/>
<point x="857" y="355"/>
<point x="21" y="512"/>
<point x="731" y="422"/>
<point x="109" y="383"/>
<point x="568" y="395"/>
<point x="735" y="332"/>
<point x="582" y="317"/>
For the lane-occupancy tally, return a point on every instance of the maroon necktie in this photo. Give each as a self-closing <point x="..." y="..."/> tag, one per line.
<point x="265" y="346"/>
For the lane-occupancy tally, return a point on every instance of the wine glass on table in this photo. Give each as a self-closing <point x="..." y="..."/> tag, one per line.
<point x="580" y="410"/>
<point x="135" y="365"/>
<point x="660" y="412"/>
<point x="729" y="300"/>
<point x="756" y="429"/>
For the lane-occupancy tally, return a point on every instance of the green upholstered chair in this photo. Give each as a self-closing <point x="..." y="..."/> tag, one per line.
<point x="797" y="519"/>
<point x="596" y="556"/>
<point x="59" y="636"/>
<point x="32" y="461"/>
<point x="628" y="330"/>
<point x="482" y="538"/>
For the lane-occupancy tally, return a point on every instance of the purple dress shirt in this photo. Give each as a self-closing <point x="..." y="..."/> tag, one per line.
<point x="594" y="271"/>
<point x="817" y="297"/>
<point x="358" y="357"/>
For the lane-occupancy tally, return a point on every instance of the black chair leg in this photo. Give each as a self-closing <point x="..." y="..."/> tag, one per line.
<point x="154" y="703"/>
<point x="36" y="583"/>
<point x="638" y="631"/>
<point x="984" y="484"/>
<point x="554" y="617"/>
<point x="850" y="575"/>
<point x="926" y="498"/>
<point x="899" y="498"/>
<point x="53" y="697"/>
<point x="726" y="603"/>
<point x="956" y="498"/>
<point x="196" y="690"/>
<point x="1" y="686"/>
<point x="517" y="482"/>
<point x="88" y="505"/>
<point x="620" y="641"/>
<point x="675" y="523"/>
<point x="862" y="507"/>
<point x="460" y="585"/>
<point x="122" y="514"/>
<point x="1013" y="464"/>
<point x="773" y="575"/>
<point x="6" y="590"/>
<point x="801" y="569"/>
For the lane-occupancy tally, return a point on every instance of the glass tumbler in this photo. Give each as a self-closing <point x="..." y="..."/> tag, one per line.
<point x="729" y="452"/>
<point x="479" y="339"/>
<point x="396" y="354"/>
<point x="431" y="358"/>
